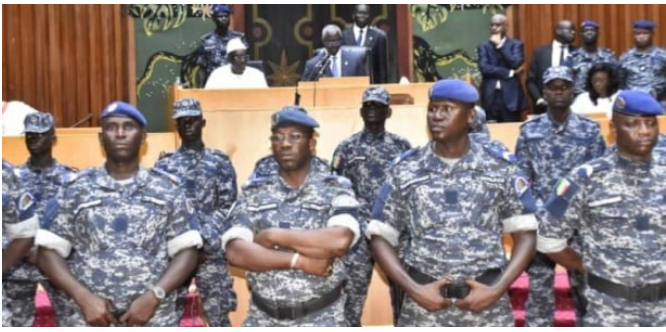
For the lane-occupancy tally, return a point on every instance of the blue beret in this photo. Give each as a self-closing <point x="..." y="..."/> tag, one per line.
<point x="455" y="90"/>
<point x="186" y="107"/>
<point x="560" y="72"/>
<point x="219" y="9"/>
<point x="644" y="24"/>
<point x="38" y="122"/>
<point x="637" y="103"/>
<point x="377" y="94"/>
<point x="120" y="108"/>
<point x="292" y="115"/>
<point x="590" y="24"/>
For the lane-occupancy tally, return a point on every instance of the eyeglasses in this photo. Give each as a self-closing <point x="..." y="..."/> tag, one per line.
<point x="291" y="138"/>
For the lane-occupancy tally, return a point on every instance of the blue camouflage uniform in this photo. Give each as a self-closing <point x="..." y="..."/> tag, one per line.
<point x="456" y="215"/>
<point x="209" y="180"/>
<point x="546" y="151"/>
<point x="645" y="71"/>
<point x="619" y="208"/>
<point x="289" y="297"/>
<point x="213" y="47"/>
<point x="580" y="61"/>
<point x="118" y="237"/>
<point x="19" y="220"/>
<point x="364" y="159"/>
<point x="43" y="184"/>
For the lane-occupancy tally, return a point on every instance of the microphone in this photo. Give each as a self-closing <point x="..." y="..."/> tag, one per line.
<point x="322" y="66"/>
<point x="78" y="123"/>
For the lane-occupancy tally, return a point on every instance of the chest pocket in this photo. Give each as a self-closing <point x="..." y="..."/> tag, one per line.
<point x="264" y="215"/>
<point x="151" y="222"/>
<point x="614" y="222"/>
<point x="426" y="203"/>
<point x="313" y="215"/>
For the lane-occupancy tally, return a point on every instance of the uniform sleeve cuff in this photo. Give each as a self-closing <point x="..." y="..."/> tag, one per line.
<point x="237" y="232"/>
<point x="24" y="229"/>
<point x="549" y="245"/>
<point x="384" y="230"/>
<point x="348" y="221"/>
<point x="523" y="222"/>
<point x="50" y="240"/>
<point x="186" y="240"/>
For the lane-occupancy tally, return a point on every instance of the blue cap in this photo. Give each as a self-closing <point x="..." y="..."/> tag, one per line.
<point x="219" y="9"/>
<point x="558" y="73"/>
<point x="589" y="24"/>
<point x="644" y="24"/>
<point x="377" y="94"/>
<point x="455" y="90"/>
<point x="636" y="103"/>
<point x="186" y="107"/>
<point x="292" y="115"/>
<point x="120" y="108"/>
<point x="479" y="121"/>
<point x="38" y="122"/>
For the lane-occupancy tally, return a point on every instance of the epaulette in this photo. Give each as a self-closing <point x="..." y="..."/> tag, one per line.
<point x="171" y="177"/>
<point x="500" y="153"/>
<point x="585" y="171"/>
<point x="164" y="154"/>
<point x="531" y="121"/>
<point x="256" y="181"/>
<point x="80" y="175"/>
<point x="403" y="156"/>
<point x="338" y="180"/>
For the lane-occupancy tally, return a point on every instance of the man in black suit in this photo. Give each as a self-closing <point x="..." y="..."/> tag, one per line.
<point x="335" y="60"/>
<point x="546" y="56"/>
<point x="500" y="61"/>
<point x="362" y="34"/>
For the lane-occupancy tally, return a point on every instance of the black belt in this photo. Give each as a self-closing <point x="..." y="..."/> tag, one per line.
<point x="457" y="289"/>
<point x="648" y="293"/>
<point x="281" y="310"/>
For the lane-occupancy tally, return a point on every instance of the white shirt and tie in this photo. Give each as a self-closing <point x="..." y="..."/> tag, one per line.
<point x="359" y="35"/>
<point x="559" y="54"/>
<point x="336" y="64"/>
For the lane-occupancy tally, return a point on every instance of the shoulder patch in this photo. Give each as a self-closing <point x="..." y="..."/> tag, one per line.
<point x="82" y="174"/>
<point x="25" y="202"/>
<point x="171" y="177"/>
<point x="521" y="185"/>
<point x="339" y="180"/>
<point x="403" y="156"/>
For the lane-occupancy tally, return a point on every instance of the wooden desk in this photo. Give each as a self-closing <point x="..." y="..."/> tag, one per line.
<point x="82" y="149"/>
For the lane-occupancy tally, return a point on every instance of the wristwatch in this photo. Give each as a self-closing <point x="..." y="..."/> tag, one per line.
<point x="159" y="292"/>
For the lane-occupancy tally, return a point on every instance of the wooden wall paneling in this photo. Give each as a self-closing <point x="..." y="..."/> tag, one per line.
<point x="69" y="60"/>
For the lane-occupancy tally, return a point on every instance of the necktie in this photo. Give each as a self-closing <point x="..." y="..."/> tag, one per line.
<point x="334" y="67"/>
<point x="561" y="55"/>
<point x="359" y="39"/>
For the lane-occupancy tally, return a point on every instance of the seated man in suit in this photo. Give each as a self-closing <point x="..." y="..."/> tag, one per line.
<point x="362" y="34"/>
<point x="500" y="61"/>
<point x="335" y="60"/>
<point x="546" y="56"/>
<point x="236" y="74"/>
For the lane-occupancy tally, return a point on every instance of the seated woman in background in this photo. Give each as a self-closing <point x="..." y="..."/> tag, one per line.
<point x="602" y="87"/>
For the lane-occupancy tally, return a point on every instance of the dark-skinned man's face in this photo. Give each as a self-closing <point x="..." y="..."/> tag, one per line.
<point x="292" y="147"/>
<point x="222" y="19"/>
<point x="590" y="35"/>
<point x="558" y="93"/>
<point x="40" y="143"/>
<point x="361" y="16"/>
<point x="190" y="128"/>
<point x="332" y="42"/>
<point x="566" y="32"/>
<point x="449" y="120"/>
<point x="121" y="138"/>
<point x="238" y="60"/>
<point x="373" y="112"/>
<point x="636" y="136"/>
<point x="642" y="38"/>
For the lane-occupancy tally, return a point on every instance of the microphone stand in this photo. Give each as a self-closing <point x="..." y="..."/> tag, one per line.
<point x="78" y="123"/>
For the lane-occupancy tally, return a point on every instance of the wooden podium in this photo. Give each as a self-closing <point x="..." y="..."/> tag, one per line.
<point x="329" y="82"/>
